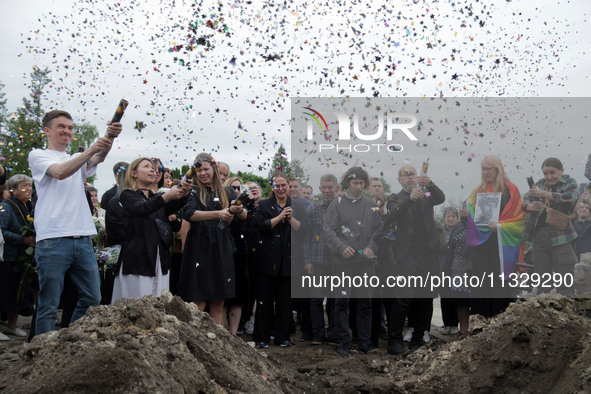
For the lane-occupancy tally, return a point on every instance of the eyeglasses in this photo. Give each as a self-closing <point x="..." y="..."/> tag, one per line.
<point x="253" y="188"/>
<point x="283" y="186"/>
<point x="236" y="187"/>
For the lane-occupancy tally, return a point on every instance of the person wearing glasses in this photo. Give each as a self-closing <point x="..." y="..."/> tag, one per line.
<point x="275" y="222"/>
<point x="238" y="230"/>
<point x="256" y="195"/>
<point x="207" y="269"/>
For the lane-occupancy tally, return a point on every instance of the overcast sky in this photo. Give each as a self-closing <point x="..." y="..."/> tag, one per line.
<point x="232" y="95"/>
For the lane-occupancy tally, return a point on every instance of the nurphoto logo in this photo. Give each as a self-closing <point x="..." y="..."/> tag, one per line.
<point x="395" y="123"/>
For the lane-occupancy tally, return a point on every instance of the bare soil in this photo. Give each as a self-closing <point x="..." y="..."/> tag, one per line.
<point x="164" y="345"/>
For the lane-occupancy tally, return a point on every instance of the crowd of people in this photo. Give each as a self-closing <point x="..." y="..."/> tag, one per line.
<point x="215" y="240"/>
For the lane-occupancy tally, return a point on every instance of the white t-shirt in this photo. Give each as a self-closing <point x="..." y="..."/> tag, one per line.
<point x="62" y="209"/>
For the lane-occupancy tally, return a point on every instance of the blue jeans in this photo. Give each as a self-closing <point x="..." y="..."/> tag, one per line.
<point x="55" y="257"/>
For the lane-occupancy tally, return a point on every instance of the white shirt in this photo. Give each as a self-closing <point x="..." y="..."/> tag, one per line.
<point x="62" y="209"/>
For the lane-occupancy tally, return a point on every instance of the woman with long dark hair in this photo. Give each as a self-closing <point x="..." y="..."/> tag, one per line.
<point x="207" y="270"/>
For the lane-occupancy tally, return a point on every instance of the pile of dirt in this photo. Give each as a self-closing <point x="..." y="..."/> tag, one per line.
<point x="540" y="345"/>
<point x="152" y="344"/>
<point x="165" y="345"/>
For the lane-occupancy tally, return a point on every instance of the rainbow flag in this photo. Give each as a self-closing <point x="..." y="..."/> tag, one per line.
<point x="512" y="224"/>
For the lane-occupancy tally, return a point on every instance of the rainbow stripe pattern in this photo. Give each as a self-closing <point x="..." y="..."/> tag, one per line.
<point x="317" y="117"/>
<point x="512" y="221"/>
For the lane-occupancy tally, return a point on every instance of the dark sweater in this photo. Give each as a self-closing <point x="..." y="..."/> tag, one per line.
<point x="353" y="223"/>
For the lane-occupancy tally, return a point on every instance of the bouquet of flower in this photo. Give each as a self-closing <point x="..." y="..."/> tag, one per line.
<point x="107" y="259"/>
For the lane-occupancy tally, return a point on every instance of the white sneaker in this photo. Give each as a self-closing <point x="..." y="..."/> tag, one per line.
<point x="249" y="326"/>
<point x="453" y="331"/>
<point x="426" y="337"/>
<point x="408" y="335"/>
<point x="17" y="332"/>
<point x="4" y="337"/>
<point x="445" y="330"/>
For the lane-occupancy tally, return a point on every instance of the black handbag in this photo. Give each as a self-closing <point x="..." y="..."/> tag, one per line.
<point x="165" y="232"/>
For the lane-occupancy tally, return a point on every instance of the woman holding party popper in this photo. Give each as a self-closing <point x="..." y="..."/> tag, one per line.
<point x="238" y="231"/>
<point x="144" y="262"/>
<point x="555" y="195"/>
<point x="207" y="270"/>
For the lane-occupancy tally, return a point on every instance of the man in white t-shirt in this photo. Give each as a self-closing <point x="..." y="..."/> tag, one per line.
<point x="63" y="222"/>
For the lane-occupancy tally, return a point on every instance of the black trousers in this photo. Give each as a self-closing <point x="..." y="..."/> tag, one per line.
<point x="341" y="317"/>
<point x="449" y="312"/>
<point x="273" y="306"/>
<point x="412" y="302"/>
<point x="422" y="310"/>
<point x="343" y="309"/>
<point x="315" y="329"/>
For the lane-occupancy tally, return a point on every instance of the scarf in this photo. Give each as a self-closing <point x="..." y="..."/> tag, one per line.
<point x="510" y="229"/>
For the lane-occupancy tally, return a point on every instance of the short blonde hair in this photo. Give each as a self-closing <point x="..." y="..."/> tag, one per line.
<point x="231" y="180"/>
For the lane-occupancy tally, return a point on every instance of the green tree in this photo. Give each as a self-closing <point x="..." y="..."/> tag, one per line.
<point x="179" y="173"/>
<point x="386" y="185"/>
<point x="297" y="171"/>
<point x="22" y="132"/>
<point x="84" y="135"/>
<point x="280" y="163"/>
<point x="262" y="182"/>
<point x="2" y="106"/>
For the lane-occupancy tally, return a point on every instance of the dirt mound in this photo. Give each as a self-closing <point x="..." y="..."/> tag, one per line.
<point x="164" y="345"/>
<point x="152" y="344"/>
<point x="541" y="345"/>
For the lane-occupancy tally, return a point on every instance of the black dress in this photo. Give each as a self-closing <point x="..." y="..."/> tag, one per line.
<point x="487" y="300"/>
<point x="207" y="269"/>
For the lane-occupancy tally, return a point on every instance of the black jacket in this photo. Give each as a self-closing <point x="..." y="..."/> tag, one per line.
<point x="399" y="210"/>
<point x="138" y="253"/>
<point x="107" y="196"/>
<point x="273" y="254"/>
